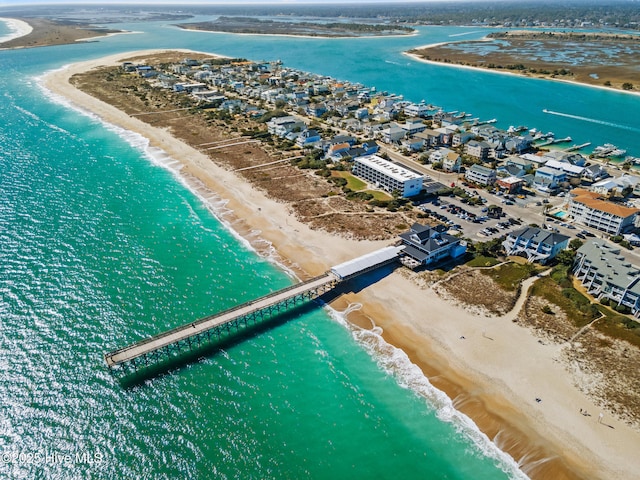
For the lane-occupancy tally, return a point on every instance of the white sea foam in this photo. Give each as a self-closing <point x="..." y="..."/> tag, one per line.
<point x="210" y="199"/>
<point x="390" y="359"/>
<point x="18" y="29"/>
<point x="397" y="364"/>
<point x="40" y="120"/>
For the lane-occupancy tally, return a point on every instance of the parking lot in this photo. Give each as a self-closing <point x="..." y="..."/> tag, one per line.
<point x="472" y="221"/>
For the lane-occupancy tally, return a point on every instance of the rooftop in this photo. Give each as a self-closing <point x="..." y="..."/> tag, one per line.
<point x="390" y="169"/>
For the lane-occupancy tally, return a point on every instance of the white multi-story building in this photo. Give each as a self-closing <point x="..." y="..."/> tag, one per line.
<point x="480" y="175"/>
<point x="535" y="244"/>
<point x="587" y="208"/>
<point x="389" y="176"/>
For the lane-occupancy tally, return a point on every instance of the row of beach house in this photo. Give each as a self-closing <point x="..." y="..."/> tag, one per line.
<point x="505" y="158"/>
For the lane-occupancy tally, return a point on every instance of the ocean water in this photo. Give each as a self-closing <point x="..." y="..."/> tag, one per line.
<point x="102" y="244"/>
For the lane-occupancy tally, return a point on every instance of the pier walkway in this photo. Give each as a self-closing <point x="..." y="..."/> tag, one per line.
<point x="193" y="335"/>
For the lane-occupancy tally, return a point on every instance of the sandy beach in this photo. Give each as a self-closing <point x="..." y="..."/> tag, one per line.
<point x="585" y="81"/>
<point x="20" y="29"/>
<point x="494" y="374"/>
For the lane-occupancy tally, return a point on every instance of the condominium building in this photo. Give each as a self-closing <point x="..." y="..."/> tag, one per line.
<point x="535" y="244"/>
<point x="589" y="209"/>
<point x="387" y="175"/>
<point x="605" y="273"/>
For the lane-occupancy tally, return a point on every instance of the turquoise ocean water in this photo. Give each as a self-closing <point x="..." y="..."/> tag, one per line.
<point x="102" y="244"/>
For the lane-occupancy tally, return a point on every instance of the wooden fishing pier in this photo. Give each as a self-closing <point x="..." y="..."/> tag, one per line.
<point x="201" y="332"/>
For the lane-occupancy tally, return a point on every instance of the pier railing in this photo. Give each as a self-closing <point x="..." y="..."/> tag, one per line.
<point x="283" y="298"/>
<point x="165" y="344"/>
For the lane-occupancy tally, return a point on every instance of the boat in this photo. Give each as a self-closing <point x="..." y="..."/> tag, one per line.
<point x="608" y="150"/>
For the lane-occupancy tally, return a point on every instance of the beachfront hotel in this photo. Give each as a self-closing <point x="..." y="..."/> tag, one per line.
<point x="387" y="175"/>
<point x="607" y="274"/>
<point x="589" y="209"/>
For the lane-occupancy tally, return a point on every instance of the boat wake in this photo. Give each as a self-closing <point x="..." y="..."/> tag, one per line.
<point x="593" y="120"/>
<point x="465" y="33"/>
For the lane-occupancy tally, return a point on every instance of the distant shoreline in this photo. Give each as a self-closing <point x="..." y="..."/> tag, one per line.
<point x="298" y="35"/>
<point x="616" y="75"/>
<point x="45" y="33"/>
<point x="419" y="58"/>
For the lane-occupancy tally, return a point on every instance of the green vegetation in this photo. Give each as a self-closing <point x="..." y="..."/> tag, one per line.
<point x="482" y="261"/>
<point x="618" y="326"/>
<point x="578" y="308"/>
<point x="509" y="276"/>
<point x="255" y="25"/>
<point x="352" y="182"/>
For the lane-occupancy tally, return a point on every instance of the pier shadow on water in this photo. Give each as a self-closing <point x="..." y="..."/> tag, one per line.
<point x="174" y="363"/>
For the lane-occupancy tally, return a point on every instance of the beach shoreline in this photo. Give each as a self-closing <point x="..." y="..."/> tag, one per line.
<point x="293" y="35"/>
<point x="494" y="374"/>
<point x="419" y="58"/>
<point x="20" y="29"/>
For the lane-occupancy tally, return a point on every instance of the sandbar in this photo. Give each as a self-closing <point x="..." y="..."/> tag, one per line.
<point x="19" y="29"/>
<point x="495" y="374"/>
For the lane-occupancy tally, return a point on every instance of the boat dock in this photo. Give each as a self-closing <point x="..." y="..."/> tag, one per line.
<point x="553" y="141"/>
<point x="577" y="147"/>
<point x="193" y="335"/>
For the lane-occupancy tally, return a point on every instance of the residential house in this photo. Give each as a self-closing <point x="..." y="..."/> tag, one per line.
<point x="451" y="162"/>
<point x="338" y="148"/>
<point x="438" y="156"/>
<point x="417" y="110"/>
<point x="535" y="244"/>
<point x="536" y="160"/>
<point x="393" y="133"/>
<point x="567" y="157"/>
<point x="426" y="245"/>
<point x="589" y="209"/>
<point x="548" y="179"/>
<point x="361" y="113"/>
<point x="316" y="109"/>
<point x="595" y="172"/>
<point x="308" y="138"/>
<point x="480" y="175"/>
<point x="460" y="138"/>
<point x="412" y="143"/>
<point x="478" y="149"/>
<point x="518" y="144"/>
<point x="616" y="187"/>
<point x="388" y="176"/>
<point x="431" y="137"/>
<point x="605" y="273"/>
<point x="446" y="134"/>
<point x="521" y="163"/>
<point x="573" y="171"/>
<point x="413" y="126"/>
<point x="282" y="126"/>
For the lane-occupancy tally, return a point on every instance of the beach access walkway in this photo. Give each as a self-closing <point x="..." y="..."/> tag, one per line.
<point x="193" y="335"/>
